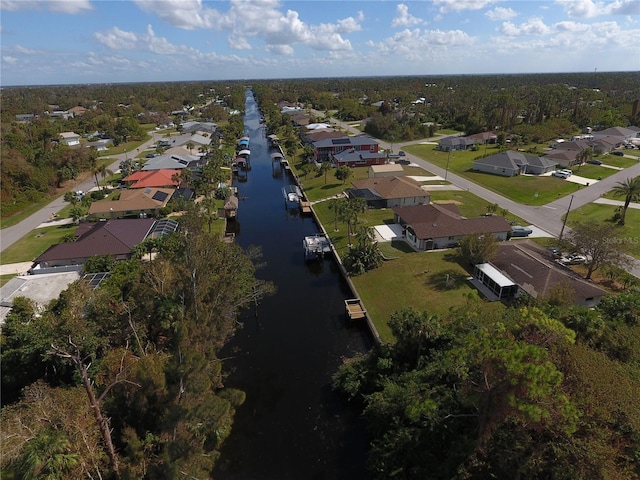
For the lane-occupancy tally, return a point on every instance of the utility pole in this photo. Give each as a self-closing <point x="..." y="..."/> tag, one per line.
<point x="446" y="171"/>
<point x="566" y="216"/>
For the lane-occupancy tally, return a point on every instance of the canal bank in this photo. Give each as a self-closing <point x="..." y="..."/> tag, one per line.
<point x="292" y="425"/>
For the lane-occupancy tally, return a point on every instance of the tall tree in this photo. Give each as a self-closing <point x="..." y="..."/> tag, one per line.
<point x="630" y="190"/>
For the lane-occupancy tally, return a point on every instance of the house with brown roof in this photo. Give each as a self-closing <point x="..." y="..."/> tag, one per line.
<point x="386" y="170"/>
<point x="115" y="238"/>
<point x="136" y="202"/>
<point x="387" y="192"/>
<point x="164" y="178"/>
<point x="433" y="226"/>
<point x="78" y="111"/>
<point x="525" y="268"/>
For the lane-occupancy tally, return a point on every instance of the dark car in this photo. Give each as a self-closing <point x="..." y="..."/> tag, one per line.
<point x="555" y="252"/>
<point x="619" y="154"/>
<point x="518" y="231"/>
<point x="594" y="161"/>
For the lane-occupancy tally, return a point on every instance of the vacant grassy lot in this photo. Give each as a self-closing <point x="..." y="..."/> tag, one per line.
<point x="629" y="234"/>
<point x="432" y="281"/>
<point x="35" y="243"/>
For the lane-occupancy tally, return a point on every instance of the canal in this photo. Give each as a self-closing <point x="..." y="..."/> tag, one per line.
<point x="292" y="425"/>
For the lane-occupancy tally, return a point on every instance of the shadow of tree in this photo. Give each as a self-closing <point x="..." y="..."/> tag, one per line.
<point x="446" y="280"/>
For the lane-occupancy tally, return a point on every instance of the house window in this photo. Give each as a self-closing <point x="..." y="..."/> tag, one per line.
<point x="450" y="238"/>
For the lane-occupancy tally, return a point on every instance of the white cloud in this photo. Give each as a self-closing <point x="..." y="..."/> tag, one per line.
<point x="116" y="39"/>
<point x="624" y="7"/>
<point x="261" y="19"/>
<point x="533" y="26"/>
<point x="500" y="13"/>
<point x="403" y="18"/>
<point x="462" y="5"/>
<point x="10" y="60"/>
<point x="24" y="50"/>
<point x="582" y="8"/>
<point x="185" y="14"/>
<point x="569" y="26"/>
<point x="62" y="6"/>
<point x="417" y="45"/>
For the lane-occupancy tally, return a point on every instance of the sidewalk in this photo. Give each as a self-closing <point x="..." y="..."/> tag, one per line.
<point x="606" y="201"/>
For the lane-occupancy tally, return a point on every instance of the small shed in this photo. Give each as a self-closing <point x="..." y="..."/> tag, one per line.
<point x="387" y="170"/>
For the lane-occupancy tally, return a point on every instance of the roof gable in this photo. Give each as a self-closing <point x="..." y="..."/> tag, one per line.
<point x="392" y="187"/>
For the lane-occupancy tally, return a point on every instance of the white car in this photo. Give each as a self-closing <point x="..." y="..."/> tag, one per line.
<point x="573" y="259"/>
<point x="560" y="174"/>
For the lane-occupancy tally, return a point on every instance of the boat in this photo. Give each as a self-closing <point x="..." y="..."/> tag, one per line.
<point x="292" y="196"/>
<point x="316" y="246"/>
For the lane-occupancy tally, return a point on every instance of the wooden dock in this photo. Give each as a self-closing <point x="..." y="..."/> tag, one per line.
<point x="305" y="206"/>
<point x="354" y="309"/>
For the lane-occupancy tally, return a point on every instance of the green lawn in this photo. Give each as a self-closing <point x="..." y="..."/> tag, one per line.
<point x="528" y="190"/>
<point x="630" y="233"/>
<point x="432" y="281"/>
<point x="616" y="161"/>
<point x="36" y="242"/>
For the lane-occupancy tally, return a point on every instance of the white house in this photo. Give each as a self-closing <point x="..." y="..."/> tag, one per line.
<point x="69" y="138"/>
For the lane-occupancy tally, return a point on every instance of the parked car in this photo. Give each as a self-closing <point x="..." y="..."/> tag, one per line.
<point x="518" y="231"/>
<point x="560" y="174"/>
<point x="618" y="153"/>
<point x="555" y="252"/>
<point x="594" y="161"/>
<point x="573" y="259"/>
<point x="401" y="153"/>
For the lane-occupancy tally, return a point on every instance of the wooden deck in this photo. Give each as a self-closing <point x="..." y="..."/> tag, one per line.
<point x="354" y="309"/>
<point x="305" y="206"/>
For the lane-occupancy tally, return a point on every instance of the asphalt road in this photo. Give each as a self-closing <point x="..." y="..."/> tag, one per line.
<point x="10" y="235"/>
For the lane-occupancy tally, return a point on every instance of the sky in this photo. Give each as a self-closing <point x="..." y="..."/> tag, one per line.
<point x="114" y="41"/>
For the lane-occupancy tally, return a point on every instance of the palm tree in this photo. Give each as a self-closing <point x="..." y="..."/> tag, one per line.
<point x="630" y="190"/>
<point x="104" y="172"/>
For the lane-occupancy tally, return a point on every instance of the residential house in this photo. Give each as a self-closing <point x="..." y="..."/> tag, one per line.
<point x="25" y="117"/>
<point x="524" y="267"/>
<point x="387" y="192"/>
<point x="433" y="226"/>
<point x="510" y="163"/>
<point x="606" y="144"/>
<point x="621" y="134"/>
<point x="205" y="127"/>
<point x="387" y="170"/>
<point x="309" y="137"/>
<point x="135" y="202"/>
<point x="78" y="111"/>
<point x="113" y="237"/>
<point x="564" y="158"/>
<point x="101" y="145"/>
<point x="192" y="162"/>
<point x="353" y="158"/>
<point x="483" y="138"/>
<point x="40" y="289"/>
<point x="163" y="178"/>
<point x="324" y="150"/>
<point x="449" y="144"/>
<point x="69" y="138"/>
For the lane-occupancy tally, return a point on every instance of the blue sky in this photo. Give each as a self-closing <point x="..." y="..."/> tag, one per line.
<point x="93" y="41"/>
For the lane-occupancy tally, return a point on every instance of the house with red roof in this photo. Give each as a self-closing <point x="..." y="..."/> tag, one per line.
<point x="163" y="178"/>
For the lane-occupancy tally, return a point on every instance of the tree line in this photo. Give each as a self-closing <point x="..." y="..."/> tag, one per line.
<point x="124" y="381"/>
